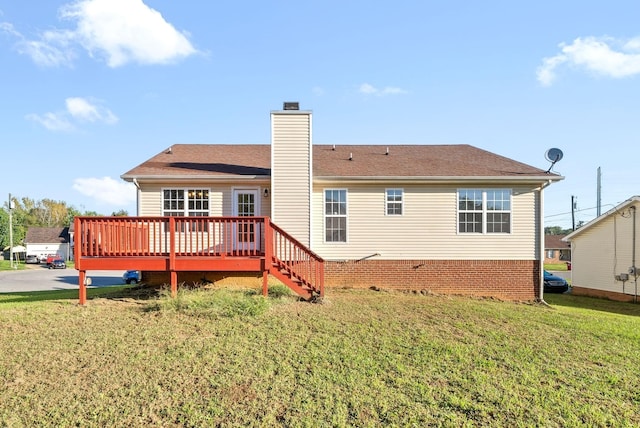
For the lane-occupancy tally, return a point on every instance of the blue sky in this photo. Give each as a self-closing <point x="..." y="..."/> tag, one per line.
<point x="92" y="88"/>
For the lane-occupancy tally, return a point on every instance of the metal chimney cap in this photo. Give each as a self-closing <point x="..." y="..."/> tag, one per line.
<point x="291" y="105"/>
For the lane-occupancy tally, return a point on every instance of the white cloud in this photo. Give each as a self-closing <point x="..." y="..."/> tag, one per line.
<point x="106" y="190"/>
<point x="368" y="89"/>
<point x="118" y="31"/>
<point x="42" y="51"/>
<point x="82" y="109"/>
<point x="77" y="109"/>
<point x="603" y="56"/>
<point x="52" y="121"/>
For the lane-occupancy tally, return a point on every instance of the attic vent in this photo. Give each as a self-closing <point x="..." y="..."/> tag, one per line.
<point x="291" y="106"/>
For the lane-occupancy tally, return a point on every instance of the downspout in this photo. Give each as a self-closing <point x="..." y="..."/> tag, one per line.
<point x="135" y="181"/>
<point x="633" y="254"/>
<point x="541" y="240"/>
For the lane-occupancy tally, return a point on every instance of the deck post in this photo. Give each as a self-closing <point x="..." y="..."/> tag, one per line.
<point x="174" y="283"/>
<point x="268" y="255"/>
<point x="82" y="279"/>
<point x="265" y="283"/>
<point x="172" y="257"/>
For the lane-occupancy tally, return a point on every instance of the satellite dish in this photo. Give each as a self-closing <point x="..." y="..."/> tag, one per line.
<point x="553" y="155"/>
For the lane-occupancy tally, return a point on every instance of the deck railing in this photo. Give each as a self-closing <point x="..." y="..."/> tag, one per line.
<point x="163" y="236"/>
<point x="192" y="243"/>
<point x="302" y="264"/>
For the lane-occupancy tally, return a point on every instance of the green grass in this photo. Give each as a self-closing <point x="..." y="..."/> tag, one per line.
<point x="362" y="358"/>
<point x="20" y="265"/>
<point x="555" y="266"/>
<point x="6" y="265"/>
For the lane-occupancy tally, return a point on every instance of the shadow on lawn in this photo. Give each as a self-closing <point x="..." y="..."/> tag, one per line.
<point x="594" y="304"/>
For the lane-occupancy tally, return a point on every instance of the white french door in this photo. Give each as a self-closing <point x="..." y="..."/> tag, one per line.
<point x="246" y="204"/>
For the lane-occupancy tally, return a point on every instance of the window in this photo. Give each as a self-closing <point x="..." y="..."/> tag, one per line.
<point x="335" y="215"/>
<point x="186" y="203"/>
<point x="394" y="201"/>
<point x="484" y="211"/>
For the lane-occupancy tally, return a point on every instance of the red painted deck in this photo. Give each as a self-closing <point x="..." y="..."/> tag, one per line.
<point x="176" y="244"/>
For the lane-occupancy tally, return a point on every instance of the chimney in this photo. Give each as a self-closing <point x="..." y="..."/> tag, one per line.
<point x="291" y="172"/>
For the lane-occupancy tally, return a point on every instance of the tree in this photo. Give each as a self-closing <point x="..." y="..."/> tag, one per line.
<point x="556" y="230"/>
<point x="18" y="229"/>
<point x="4" y="228"/>
<point x="30" y="213"/>
<point x="120" y="213"/>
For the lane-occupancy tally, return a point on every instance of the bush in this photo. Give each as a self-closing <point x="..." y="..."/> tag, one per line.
<point x="211" y="303"/>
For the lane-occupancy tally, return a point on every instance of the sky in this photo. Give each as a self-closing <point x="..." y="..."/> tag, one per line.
<point x="90" y="89"/>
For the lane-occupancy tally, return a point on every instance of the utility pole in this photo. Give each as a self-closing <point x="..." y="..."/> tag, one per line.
<point x="598" y="193"/>
<point x="573" y="212"/>
<point x="13" y="266"/>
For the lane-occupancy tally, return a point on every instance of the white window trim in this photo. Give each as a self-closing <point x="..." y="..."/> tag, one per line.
<point x="484" y="210"/>
<point x="386" y="202"/>
<point x="324" y="216"/>
<point x="258" y="202"/>
<point x="186" y="199"/>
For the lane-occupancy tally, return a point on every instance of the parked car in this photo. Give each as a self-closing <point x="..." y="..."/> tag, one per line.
<point x="554" y="284"/>
<point x="51" y="257"/>
<point x="32" y="259"/>
<point x="131" y="276"/>
<point x="58" y="264"/>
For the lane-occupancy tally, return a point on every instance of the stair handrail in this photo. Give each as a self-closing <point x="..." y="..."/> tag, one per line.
<point x="313" y="275"/>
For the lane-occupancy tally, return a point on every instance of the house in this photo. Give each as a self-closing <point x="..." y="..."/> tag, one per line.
<point x="604" y="254"/>
<point x="556" y="250"/>
<point x="448" y="218"/>
<point x="441" y="218"/>
<point x="42" y="241"/>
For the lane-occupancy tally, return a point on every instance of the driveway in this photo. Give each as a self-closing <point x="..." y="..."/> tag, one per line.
<point x="39" y="278"/>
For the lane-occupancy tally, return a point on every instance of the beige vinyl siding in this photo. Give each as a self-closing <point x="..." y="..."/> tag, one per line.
<point x="290" y="172"/>
<point x="603" y="251"/>
<point x="427" y="228"/>
<point x="220" y="197"/>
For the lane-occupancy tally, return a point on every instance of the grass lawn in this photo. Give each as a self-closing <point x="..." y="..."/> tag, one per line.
<point x="362" y="358"/>
<point x="555" y="266"/>
<point x="6" y="265"/>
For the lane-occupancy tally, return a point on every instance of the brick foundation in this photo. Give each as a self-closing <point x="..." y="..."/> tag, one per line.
<point x="602" y="294"/>
<point x="503" y="279"/>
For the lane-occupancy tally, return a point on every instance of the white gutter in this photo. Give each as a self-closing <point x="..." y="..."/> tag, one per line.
<point x="446" y="180"/>
<point x="199" y="177"/>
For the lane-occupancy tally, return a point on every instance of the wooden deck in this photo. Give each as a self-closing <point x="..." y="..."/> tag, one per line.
<point x="177" y="244"/>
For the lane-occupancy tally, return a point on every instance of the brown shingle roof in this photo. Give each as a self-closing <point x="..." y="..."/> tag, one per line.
<point x="210" y="160"/>
<point x="47" y="235"/>
<point x="554" y="242"/>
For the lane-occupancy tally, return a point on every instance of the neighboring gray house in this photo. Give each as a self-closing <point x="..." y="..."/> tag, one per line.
<point x="42" y="241"/>
<point x="604" y="254"/>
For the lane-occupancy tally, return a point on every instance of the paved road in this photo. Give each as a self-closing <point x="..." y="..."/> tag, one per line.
<point x="39" y="278"/>
<point x="562" y="273"/>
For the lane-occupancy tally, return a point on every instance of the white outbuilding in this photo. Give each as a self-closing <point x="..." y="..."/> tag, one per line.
<point x="604" y="254"/>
